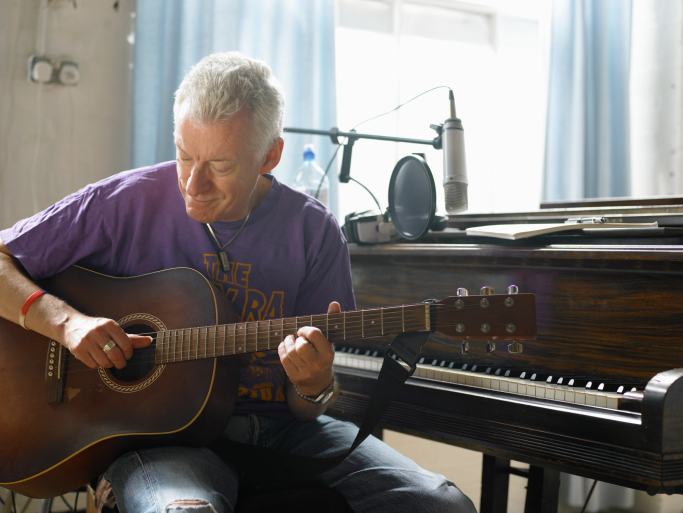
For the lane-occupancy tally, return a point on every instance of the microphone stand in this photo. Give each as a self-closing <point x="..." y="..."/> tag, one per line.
<point x="353" y="136"/>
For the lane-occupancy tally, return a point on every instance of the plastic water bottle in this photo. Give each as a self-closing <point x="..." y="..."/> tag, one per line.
<point x="311" y="179"/>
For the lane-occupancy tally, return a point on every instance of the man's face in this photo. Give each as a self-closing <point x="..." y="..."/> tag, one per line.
<point x="216" y="168"/>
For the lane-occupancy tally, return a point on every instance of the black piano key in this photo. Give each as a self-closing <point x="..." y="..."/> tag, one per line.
<point x="511" y="373"/>
<point x="578" y="382"/>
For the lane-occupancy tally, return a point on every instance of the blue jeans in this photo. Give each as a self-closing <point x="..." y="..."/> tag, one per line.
<point x="374" y="478"/>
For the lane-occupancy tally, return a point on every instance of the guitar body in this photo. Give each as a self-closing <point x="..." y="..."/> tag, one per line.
<point x="47" y="449"/>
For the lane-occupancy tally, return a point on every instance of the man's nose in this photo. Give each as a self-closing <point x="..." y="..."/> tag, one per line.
<point x="197" y="182"/>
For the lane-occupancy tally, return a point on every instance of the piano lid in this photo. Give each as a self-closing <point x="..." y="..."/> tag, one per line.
<point x="667" y="212"/>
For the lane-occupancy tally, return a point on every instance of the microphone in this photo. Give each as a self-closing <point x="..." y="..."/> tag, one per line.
<point x="454" y="166"/>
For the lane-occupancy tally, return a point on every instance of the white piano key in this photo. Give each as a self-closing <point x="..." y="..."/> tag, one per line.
<point x="613" y="400"/>
<point x="590" y="398"/>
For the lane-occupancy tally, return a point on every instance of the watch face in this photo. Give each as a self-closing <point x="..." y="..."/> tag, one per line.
<point x="325" y="396"/>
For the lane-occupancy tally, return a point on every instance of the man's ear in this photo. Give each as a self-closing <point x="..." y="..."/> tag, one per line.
<point x="273" y="156"/>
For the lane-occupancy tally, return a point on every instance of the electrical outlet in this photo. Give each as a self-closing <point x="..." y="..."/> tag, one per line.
<point x="40" y="69"/>
<point x="68" y="73"/>
<point x="46" y="70"/>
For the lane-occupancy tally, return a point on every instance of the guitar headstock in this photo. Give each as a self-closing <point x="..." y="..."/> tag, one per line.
<point x="488" y="316"/>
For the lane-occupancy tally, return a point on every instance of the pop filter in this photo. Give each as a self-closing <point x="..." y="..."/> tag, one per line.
<point x="412" y="197"/>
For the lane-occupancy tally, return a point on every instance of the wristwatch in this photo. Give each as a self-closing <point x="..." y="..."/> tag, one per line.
<point x="321" y="398"/>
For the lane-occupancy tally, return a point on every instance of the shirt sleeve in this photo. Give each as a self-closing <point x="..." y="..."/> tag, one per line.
<point x="328" y="277"/>
<point x="59" y="236"/>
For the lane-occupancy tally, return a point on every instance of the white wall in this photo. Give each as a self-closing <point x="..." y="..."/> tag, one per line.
<point x="85" y="129"/>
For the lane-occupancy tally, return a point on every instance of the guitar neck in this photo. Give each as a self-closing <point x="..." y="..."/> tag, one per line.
<point x="249" y="337"/>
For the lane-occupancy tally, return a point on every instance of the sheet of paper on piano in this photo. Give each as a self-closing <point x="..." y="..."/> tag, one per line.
<point x="522" y="231"/>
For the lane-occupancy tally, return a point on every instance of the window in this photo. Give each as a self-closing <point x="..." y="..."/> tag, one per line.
<point x="490" y="53"/>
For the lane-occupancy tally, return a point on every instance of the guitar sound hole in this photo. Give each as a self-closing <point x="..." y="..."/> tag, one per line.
<point x="142" y="361"/>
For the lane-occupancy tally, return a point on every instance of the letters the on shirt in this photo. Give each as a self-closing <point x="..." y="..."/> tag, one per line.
<point x="263" y="379"/>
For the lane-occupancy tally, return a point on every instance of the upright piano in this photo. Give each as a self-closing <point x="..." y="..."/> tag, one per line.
<point x="598" y="393"/>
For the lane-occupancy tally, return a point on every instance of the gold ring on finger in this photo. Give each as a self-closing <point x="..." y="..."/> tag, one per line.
<point x="110" y="345"/>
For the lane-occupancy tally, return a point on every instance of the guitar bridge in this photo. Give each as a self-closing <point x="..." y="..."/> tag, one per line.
<point x="54" y="372"/>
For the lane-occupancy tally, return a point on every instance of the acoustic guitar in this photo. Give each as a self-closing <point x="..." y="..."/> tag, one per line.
<point x="62" y="423"/>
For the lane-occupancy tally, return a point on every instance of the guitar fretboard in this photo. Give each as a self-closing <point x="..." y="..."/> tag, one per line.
<point x="249" y="337"/>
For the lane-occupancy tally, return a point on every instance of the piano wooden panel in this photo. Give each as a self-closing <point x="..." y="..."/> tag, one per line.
<point x="601" y="311"/>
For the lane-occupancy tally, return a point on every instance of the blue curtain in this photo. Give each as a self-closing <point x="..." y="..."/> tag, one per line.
<point x="295" y="37"/>
<point x="587" y="152"/>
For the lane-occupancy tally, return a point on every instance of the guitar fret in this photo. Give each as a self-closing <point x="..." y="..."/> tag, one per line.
<point x="403" y="318"/>
<point x="269" y="328"/>
<point x="344" y="321"/>
<point x="382" y="319"/>
<point x="234" y="337"/>
<point x="182" y="343"/>
<point x="256" y="336"/>
<point x="225" y="333"/>
<point x="159" y="349"/>
<point x="362" y="325"/>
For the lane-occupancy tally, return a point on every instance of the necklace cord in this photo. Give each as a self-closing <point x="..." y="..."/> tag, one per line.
<point x="221" y="254"/>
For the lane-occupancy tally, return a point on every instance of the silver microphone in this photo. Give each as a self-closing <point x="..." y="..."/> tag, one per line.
<point x="454" y="166"/>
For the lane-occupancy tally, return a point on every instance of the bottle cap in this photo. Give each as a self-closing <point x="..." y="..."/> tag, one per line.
<point x="309" y="152"/>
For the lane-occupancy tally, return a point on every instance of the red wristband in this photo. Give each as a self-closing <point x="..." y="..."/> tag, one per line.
<point x="27" y="304"/>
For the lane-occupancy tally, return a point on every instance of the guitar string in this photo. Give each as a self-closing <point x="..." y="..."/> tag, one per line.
<point x="352" y="324"/>
<point x="250" y="345"/>
<point x="213" y="339"/>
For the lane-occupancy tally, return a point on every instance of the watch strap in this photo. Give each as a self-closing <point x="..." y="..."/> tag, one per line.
<point x="320" y="398"/>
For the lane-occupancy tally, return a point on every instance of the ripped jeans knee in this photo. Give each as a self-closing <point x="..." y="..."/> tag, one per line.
<point x="189" y="506"/>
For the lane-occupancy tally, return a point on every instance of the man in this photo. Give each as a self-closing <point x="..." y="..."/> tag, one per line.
<point x="287" y="257"/>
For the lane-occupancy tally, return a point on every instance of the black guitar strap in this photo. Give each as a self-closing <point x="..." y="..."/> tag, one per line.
<point x="265" y="462"/>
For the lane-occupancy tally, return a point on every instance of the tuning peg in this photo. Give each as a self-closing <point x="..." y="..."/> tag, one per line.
<point x="515" y="347"/>
<point x="462" y="292"/>
<point x="512" y="289"/>
<point x="487" y="291"/>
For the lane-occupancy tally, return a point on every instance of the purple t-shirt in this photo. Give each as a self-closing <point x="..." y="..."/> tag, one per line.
<point x="290" y="259"/>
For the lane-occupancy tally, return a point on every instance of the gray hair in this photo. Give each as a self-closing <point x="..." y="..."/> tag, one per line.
<point x="221" y="84"/>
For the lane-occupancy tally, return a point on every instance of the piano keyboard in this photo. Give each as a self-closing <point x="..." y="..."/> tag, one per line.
<point x="575" y="391"/>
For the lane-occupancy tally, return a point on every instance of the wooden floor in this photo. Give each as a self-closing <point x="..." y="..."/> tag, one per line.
<point x="461" y="466"/>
